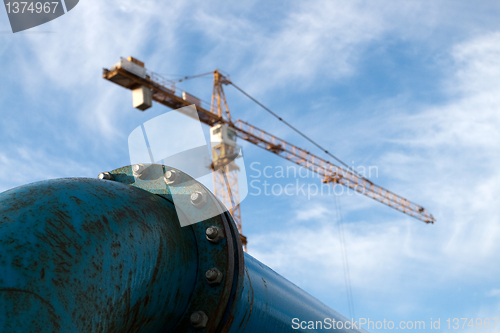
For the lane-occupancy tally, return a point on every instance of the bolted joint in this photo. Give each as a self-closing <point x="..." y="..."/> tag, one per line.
<point x="198" y="319"/>
<point x="139" y="170"/>
<point x="198" y="199"/>
<point x="213" y="276"/>
<point x="172" y="177"/>
<point x="106" y="175"/>
<point x="214" y="234"/>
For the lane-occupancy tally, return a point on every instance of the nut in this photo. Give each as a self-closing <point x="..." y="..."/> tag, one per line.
<point x="213" y="276"/>
<point x="172" y="177"/>
<point x="106" y="175"/>
<point x="214" y="234"/>
<point x="198" y="319"/>
<point x="198" y="199"/>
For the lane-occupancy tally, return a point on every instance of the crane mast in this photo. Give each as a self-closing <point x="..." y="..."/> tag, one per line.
<point x="225" y="171"/>
<point x="225" y="174"/>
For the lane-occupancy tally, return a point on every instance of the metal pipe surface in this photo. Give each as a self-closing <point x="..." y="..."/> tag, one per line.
<point x="84" y="255"/>
<point x="109" y="255"/>
<point x="267" y="302"/>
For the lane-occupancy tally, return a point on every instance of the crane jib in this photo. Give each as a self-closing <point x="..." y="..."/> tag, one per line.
<point x="330" y="172"/>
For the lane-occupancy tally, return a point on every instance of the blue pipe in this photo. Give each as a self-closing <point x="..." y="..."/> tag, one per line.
<point x="83" y="255"/>
<point x="267" y="302"/>
<point x="109" y="255"/>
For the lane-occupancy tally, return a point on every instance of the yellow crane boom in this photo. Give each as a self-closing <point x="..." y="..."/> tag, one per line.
<point x="219" y="114"/>
<point x="330" y="172"/>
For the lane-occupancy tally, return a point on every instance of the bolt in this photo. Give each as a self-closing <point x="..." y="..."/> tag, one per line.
<point x="139" y="170"/>
<point x="214" y="234"/>
<point x="106" y="176"/>
<point x="199" y="319"/>
<point x="198" y="199"/>
<point x="213" y="276"/>
<point x="172" y="177"/>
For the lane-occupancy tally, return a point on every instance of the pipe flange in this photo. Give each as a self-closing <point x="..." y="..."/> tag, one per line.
<point x="220" y="254"/>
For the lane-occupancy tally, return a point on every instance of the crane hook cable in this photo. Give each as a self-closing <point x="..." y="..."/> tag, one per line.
<point x="345" y="261"/>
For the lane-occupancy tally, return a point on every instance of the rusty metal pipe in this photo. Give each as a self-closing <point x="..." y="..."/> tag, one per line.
<point x="267" y="302"/>
<point x="109" y="255"/>
<point x="85" y="255"/>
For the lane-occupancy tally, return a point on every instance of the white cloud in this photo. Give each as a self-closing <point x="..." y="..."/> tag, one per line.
<point x="446" y="155"/>
<point x="86" y="40"/>
<point x="493" y="293"/>
<point x="448" y="159"/>
<point x="311" y="39"/>
<point x="456" y="153"/>
<point x="22" y="165"/>
<point x="316" y="211"/>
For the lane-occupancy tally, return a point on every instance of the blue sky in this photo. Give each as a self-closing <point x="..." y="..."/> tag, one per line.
<point x="412" y="88"/>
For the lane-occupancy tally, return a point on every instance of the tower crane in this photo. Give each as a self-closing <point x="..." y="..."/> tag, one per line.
<point x="147" y="86"/>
